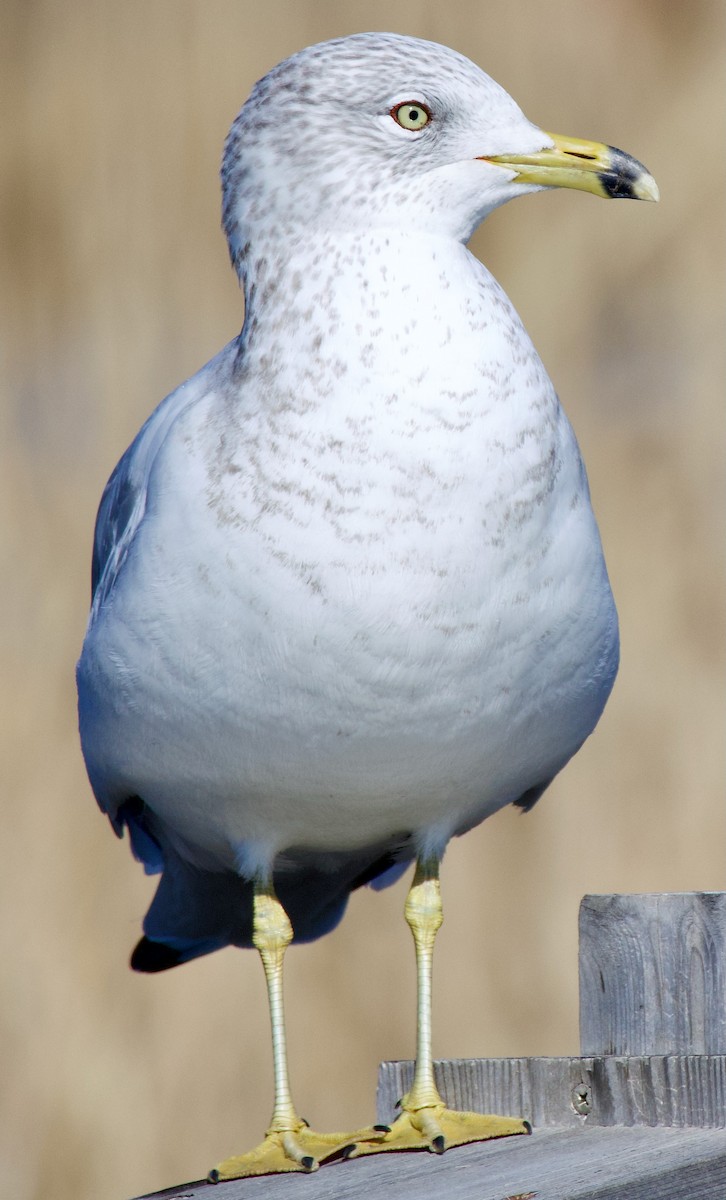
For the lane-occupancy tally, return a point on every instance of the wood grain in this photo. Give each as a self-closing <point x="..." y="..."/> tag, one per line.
<point x="653" y="974"/>
<point x="671" y="1091"/>
<point x="556" y="1164"/>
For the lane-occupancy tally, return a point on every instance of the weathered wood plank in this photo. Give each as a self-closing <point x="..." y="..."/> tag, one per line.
<point x="672" y="1091"/>
<point x="540" y="1089"/>
<point x="555" y="1164"/>
<point x="653" y="974"/>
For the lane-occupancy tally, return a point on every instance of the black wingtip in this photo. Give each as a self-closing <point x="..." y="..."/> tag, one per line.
<point x="529" y="798"/>
<point x="150" y="957"/>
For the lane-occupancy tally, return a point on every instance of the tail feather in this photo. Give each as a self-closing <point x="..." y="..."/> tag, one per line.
<point x="196" y="911"/>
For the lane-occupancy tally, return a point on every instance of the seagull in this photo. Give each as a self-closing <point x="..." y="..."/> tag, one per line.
<point x="349" y="595"/>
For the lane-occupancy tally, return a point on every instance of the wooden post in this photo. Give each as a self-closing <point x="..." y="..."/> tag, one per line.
<point x="653" y="974"/>
<point x="653" y="1027"/>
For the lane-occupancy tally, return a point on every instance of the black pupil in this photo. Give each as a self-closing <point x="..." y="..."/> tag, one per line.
<point x="413" y="114"/>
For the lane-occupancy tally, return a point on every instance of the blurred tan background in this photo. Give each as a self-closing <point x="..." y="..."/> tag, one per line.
<point x="115" y="286"/>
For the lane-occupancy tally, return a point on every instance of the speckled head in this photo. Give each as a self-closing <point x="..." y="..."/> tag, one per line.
<point x="316" y="144"/>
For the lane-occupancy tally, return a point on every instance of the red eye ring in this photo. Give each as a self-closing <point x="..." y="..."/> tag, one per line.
<point x="411" y="115"/>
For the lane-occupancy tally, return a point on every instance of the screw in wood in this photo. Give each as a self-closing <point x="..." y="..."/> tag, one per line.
<point x="581" y="1099"/>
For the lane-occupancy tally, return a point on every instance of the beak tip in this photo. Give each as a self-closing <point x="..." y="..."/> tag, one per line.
<point x="647" y="189"/>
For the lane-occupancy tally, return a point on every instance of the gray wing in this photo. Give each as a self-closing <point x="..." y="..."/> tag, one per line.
<point x="119" y="515"/>
<point x="123" y="502"/>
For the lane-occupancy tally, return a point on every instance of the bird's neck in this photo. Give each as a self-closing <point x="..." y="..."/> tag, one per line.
<point x="347" y="288"/>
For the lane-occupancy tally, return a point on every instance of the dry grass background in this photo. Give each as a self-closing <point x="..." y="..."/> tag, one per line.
<point x="115" y="286"/>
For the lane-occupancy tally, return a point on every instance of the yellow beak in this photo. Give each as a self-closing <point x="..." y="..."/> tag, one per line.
<point x="585" y="166"/>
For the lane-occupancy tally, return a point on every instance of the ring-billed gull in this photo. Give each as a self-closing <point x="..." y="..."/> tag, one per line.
<point x="349" y="595"/>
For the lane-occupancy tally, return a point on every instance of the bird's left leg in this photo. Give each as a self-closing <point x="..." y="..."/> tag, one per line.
<point x="425" y="1122"/>
<point x="288" y="1145"/>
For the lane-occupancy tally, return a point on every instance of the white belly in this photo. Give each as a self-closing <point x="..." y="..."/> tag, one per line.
<point x="271" y="694"/>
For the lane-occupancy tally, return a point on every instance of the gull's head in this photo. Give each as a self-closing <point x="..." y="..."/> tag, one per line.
<point x="381" y="130"/>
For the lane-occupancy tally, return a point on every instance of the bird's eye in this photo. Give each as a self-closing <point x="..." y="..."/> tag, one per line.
<point x="411" y="115"/>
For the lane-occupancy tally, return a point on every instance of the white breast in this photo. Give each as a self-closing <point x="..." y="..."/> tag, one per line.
<point x="367" y="595"/>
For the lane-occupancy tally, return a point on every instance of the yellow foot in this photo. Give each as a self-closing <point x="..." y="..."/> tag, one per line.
<point x="298" y="1149"/>
<point x="437" y="1128"/>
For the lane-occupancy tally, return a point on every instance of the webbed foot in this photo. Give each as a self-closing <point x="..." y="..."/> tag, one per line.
<point x="296" y="1149"/>
<point x="436" y="1128"/>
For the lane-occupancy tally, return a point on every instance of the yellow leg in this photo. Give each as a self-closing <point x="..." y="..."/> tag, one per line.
<point x="425" y="1122"/>
<point x="288" y="1145"/>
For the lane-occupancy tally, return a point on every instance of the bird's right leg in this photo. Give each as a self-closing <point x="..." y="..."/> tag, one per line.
<point x="288" y="1145"/>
